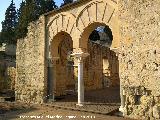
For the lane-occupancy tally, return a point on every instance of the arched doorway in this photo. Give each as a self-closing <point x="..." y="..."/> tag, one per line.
<point x="63" y="71"/>
<point x="101" y="67"/>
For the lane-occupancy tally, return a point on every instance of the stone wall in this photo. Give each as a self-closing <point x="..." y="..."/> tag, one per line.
<point x="101" y="67"/>
<point x="31" y="71"/>
<point x="139" y="51"/>
<point x="140" y="57"/>
<point x="2" y="76"/>
<point x="7" y="77"/>
<point x="97" y="73"/>
<point x="11" y="74"/>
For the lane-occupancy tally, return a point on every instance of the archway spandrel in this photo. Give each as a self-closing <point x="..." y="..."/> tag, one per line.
<point x="81" y="24"/>
<point x="94" y="14"/>
<point x="92" y="11"/>
<point x="59" y="23"/>
<point x="114" y="25"/>
<point x="85" y="15"/>
<point x="66" y="22"/>
<point x="70" y="29"/>
<point x="75" y="33"/>
<point x="52" y="29"/>
<point x="112" y="3"/>
<point x="96" y="11"/>
<point x="108" y="13"/>
<point x="101" y="7"/>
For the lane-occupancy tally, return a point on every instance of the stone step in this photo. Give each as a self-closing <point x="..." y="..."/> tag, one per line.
<point x="97" y="109"/>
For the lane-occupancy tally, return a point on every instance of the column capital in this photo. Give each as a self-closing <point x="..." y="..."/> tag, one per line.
<point x="52" y="61"/>
<point x="80" y="55"/>
<point x="116" y="50"/>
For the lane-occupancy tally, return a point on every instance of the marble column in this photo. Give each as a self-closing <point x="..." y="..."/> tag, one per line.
<point x="80" y="56"/>
<point x="121" y="109"/>
<point x="80" y="82"/>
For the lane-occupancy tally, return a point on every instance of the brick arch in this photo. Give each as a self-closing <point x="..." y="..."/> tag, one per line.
<point x="94" y="14"/>
<point x="61" y="22"/>
<point x="55" y="43"/>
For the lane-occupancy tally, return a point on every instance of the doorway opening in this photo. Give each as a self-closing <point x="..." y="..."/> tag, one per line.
<point x="101" y="67"/>
<point x="63" y="70"/>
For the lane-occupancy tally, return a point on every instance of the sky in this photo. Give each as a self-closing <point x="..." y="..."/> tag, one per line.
<point x="5" y="3"/>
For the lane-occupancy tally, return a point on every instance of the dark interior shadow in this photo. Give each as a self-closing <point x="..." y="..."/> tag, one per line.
<point x="109" y="92"/>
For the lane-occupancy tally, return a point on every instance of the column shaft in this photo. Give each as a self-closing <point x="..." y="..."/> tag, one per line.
<point x="80" y="83"/>
<point x="51" y="85"/>
<point x="121" y="109"/>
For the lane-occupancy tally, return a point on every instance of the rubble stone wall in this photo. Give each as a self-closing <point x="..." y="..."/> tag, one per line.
<point x="97" y="73"/>
<point x="2" y="76"/>
<point x="139" y="51"/>
<point x="31" y="71"/>
<point x="11" y="74"/>
<point x="7" y="77"/>
<point x="140" y="57"/>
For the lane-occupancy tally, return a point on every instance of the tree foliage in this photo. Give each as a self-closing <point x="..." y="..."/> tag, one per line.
<point x="30" y="10"/>
<point x="27" y="13"/>
<point x="9" y="25"/>
<point x="21" y="28"/>
<point x="15" y="24"/>
<point x="46" y="6"/>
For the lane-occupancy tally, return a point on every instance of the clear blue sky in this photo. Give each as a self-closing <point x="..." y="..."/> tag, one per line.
<point x="5" y="3"/>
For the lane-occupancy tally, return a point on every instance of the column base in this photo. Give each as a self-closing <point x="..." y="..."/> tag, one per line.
<point x="79" y="104"/>
<point x="121" y="109"/>
<point x="51" y="100"/>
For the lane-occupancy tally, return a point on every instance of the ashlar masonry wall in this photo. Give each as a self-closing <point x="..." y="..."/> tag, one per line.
<point x="140" y="57"/>
<point x="31" y="77"/>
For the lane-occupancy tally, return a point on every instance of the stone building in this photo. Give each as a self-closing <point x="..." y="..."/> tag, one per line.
<point x="131" y="62"/>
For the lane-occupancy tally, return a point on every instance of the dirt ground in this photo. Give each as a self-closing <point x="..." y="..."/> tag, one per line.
<point x="103" y="100"/>
<point x="19" y="111"/>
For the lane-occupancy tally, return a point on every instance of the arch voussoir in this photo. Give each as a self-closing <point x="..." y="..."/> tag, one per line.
<point x="62" y="22"/>
<point x="96" y="13"/>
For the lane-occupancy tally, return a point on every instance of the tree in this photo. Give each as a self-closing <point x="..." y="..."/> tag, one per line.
<point x="21" y="28"/>
<point x="50" y="5"/>
<point x="19" y="11"/>
<point x="65" y="2"/>
<point x="29" y="11"/>
<point x="46" y="6"/>
<point x="9" y="24"/>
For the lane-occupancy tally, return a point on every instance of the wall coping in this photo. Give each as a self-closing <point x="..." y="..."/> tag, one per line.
<point x="67" y="7"/>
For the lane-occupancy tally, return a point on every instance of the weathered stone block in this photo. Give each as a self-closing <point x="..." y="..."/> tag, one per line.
<point x="156" y="112"/>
